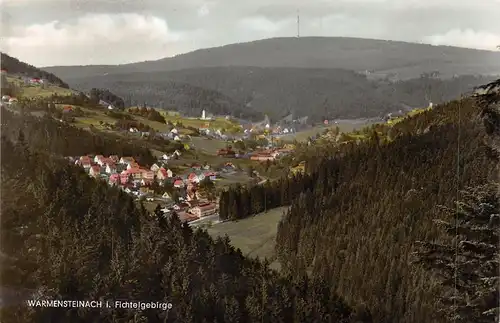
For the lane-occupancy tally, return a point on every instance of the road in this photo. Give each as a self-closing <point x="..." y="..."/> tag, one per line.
<point x="214" y="219"/>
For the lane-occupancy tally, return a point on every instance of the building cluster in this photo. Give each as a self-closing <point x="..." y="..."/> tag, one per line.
<point x="8" y="100"/>
<point x="126" y="173"/>
<point x="123" y="171"/>
<point x="269" y="154"/>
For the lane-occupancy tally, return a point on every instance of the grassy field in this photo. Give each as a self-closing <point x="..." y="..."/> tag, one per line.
<point x="218" y="123"/>
<point x="254" y="236"/>
<point x="303" y="135"/>
<point x="208" y="146"/>
<point x="38" y="91"/>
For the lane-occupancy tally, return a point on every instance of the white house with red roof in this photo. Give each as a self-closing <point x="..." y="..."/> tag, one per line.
<point x="132" y="165"/>
<point x="163" y="173"/>
<point x="178" y="183"/>
<point x="148" y="174"/>
<point x="155" y="168"/>
<point x="98" y="158"/>
<point x="110" y="168"/>
<point x="126" y="160"/>
<point x="193" y="177"/>
<point x="95" y="171"/>
<point x="211" y="175"/>
<point x="114" y="179"/>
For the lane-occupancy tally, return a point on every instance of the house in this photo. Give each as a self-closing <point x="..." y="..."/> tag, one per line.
<point x="132" y="165"/>
<point x="176" y="153"/>
<point x="193" y="177"/>
<point x="178" y="183"/>
<point x="146" y="182"/>
<point x="124" y="178"/>
<point x="163" y="173"/>
<point x="211" y="175"/>
<point x="177" y="138"/>
<point x="185" y="217"/>
<point x="114" y="158"/>
<point x="262" y="157"/>
<point x="135" y="172"/>
<point x="205" y="209"/>
<point x="166" y="196"/>
<point x="99" y="159"/>
<point x="174" y="131"/>
<point x="114" y="179"/>
<point x="165" y="157"/>
<point x="155" y="168"/>
<point x="110" y="168"/>
<point x="148" y="174"/>
<point x="95" y="171"/>
<point x="86" y="164"/>
<point x="67" y="109"/>
<point x="126" y="160"/>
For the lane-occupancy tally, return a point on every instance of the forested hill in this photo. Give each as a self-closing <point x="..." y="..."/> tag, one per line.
<point x="165" y="93"/>
<point x="14" y="66"/>
<point x="66" y="236"/>
<point x="407" y="60"/>
<point x="277" y="92"/>
<point x="363" y="218"/>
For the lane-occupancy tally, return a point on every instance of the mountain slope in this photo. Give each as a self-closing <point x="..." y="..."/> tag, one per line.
<point x="169" y="94"/>
<point x="408" y="60"/>
<point x="14" y="66"/>
<point x="66" y="236"/>
<point x="357" y="214"/>
<point x="317" y="93"/>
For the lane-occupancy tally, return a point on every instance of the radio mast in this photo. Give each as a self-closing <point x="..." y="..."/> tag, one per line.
<point x="298" y="24"/>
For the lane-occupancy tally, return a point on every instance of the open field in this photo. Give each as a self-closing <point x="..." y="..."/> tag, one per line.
<point x="34" y="91"/>
<point x="344" y="126"/>
<point x="254" y="236"/>
<point x="208" y="146"/>
<point x="217" y="123"/>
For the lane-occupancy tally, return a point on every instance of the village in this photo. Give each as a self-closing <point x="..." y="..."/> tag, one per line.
<point x="190" y="195"/>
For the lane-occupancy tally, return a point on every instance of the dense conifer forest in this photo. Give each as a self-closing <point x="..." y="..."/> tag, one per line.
<point x="365" y="208"/>
<point x="66" y="236"/>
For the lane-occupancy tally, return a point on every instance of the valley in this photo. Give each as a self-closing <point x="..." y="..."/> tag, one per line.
<point x="290" y="180"/>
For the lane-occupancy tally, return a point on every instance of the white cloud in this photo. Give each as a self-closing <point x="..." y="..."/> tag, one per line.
<point x="94" y="38"/>
<point x="466" y="38"/>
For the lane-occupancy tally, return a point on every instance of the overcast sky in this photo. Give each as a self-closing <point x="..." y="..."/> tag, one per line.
<point x="76" y="32"/>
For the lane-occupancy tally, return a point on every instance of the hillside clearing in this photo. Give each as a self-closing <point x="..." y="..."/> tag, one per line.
<point x="254" y="236"/>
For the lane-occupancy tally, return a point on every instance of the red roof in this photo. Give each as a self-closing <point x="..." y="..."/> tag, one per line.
<point x="96" y="169"/>
<point x="178" y="182"/>
<point x="133" y="171"/>
<point x="206" y="206"/>
<point x="163" y="171"/>
<point x="192" y="175"/>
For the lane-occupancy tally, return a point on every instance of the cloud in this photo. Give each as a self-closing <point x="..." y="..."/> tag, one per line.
<point x="94" y="38"/>
<point x="466" y="38"/>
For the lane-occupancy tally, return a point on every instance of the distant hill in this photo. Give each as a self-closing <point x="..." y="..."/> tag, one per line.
<point x="169" y="95"/>
<point x="14" y="66"/>
<point x="277" y="92"/>
<point x="380" y="57"/>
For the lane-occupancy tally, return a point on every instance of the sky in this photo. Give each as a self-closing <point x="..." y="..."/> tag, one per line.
<point x="84" y="32"/>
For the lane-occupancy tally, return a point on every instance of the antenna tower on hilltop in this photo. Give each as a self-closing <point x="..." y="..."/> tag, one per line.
<point x="298" y="24"/>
